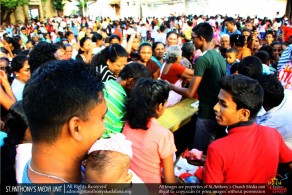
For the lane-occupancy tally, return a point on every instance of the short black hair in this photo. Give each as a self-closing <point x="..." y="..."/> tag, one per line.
<point x="237" y="39"/>
<point x="251" y="66"/>
<point x="273" y="91"/>
<point x="56" y="92"/>
<point x="232" y="50"/>
<point x="263" y="56"/>
<point x="146" y="95"/>
<point x="135" y="70"/>
<point x="17" y="62"/>
<point x="230" y="20"/>
<point x="204" y="30"/>
<point x="246" y="92"/>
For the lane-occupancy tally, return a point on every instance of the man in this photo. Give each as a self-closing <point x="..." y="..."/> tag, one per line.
<point x="230" y="25"/>
<point x="116" y="93"/>
<point x="209" y="68"/>
<point x="250" y="153"/>
<point x="65" y="109"/>
<point x="277" y="104"/>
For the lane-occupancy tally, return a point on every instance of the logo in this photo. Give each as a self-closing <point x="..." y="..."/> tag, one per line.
<point x="274" y="183"/>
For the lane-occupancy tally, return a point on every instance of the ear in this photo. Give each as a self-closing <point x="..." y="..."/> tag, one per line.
<point x="74" y="128"/>
<point x="129" y="81"/>
<point x="245" y="114"/>
<point x="108" y="62"/>
<point x="129" y="178"/>
<point x="159" y="108"/>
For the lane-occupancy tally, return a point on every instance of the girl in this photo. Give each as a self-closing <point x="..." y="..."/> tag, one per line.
<point x="153" y="145"/>
<point x="85" y="50"/>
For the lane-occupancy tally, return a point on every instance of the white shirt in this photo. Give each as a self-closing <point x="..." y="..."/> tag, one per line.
<point x="280" y="117"/>
<point x="17" y="89"/>
<point x="23" y="154"/>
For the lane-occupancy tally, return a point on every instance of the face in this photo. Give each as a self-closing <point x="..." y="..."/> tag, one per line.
<point x="60" y="54"/>
<point x="248" y="26"/>
<point x="145" y="53"/>
<point x="3" y="65"/>
<point x="225" y="110"/>
<point x="172" y="39"/>
<point x="117" y="66"/>
<point x="135" y="44"/>
<point x="29" y="46"/>
<point x="229" y="26"/>
<point x="159" y="51"/>
<point x="225" y="42"/>
<point x="68" y="52"/>
<point x="94" y="127"/>
<point x="115" y="41"/>
<point x="197" y="41"/>
<point x="246" y="34"/>
<point x="87" y="45"/>
<point x="23" y="31"/>
<point x="269" y="38"/>
<point x="277" y="50"/>
<point x="24" y="73"/>
<point x="230" y="57"/>
<point x="99" y="43"/>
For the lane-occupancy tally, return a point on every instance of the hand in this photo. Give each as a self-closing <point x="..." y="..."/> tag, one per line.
<point x="3" y="78"/>
<point x="2" y="125"/>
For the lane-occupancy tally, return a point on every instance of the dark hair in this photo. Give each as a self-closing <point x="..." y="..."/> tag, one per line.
<point x="251" y="66"/>
<point x="76" y="91"/>
<point x="82" y="41"/>
<point x="246" y="92"/>
<point x="68" y="33"/>
<point x="114" y="36"/>
<point x="188" y="50"/>
<point x="154" y="45"/>
<point x="237" y="39"/>
<point x="96" y="37"/>
<point x="41" y="53"/>
<point x="263" y="56"/>
<point x="204" y="30"/>
<point x="144" y="44"/>
<point x="230" y="20"/>
<point x="17" y="125"/>
<point x="232" y="50"/>
<point x="146" y="95"/>
<point x="269" y="49"/>
<point x="162" y="28"/>
<point x="60" y="45"/>
<point x="247" y="30"/>
<point x="109" y="53"/>
<point x="171" y="32"/>
<point x="234" y="68"/>
<point x="135" y="70"/>
<point x="273" y="91"/>
<point x="30" y="40"/>
<point x="17" y="62"/>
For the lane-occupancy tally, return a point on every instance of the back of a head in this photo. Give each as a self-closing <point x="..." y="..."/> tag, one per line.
<point x="204" y="30"/>
<point x="188" y="49"/>
<point x="57" y="91"/>
<point x="267" y="48"/>
<point x="273" y="91"/>
<point x="40" y="54"/>
<point x="246" y="92"/>
<point x="96" y="37"/>
<point x="263" y="56"/>
<point x="146" y="95"/>
<point x="251" y="66"/>
<point x="172" y="53"/>
<point x="237" y="40"/>
<point x="135" y="70"/>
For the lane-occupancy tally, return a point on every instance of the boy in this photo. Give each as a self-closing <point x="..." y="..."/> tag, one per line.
<point x="250" y="153"/>
<point x="231" y="58"/>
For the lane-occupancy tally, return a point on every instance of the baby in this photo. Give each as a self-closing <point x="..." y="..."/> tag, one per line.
<point x="109" y="160"/>
<point x="231" y="58"/>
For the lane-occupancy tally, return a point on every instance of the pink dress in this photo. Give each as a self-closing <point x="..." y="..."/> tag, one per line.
<point x="149" y="148"/>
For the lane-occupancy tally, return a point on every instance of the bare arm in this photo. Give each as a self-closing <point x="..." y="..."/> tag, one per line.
<point x="6" y="94"/>
<point x="191" y="90"/>
<point x="130" y="42"/>
<point x="168" y="169"/>
<point x="188" y="74"/>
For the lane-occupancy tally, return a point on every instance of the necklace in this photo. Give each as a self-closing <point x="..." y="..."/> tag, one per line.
<point x="45" y="175"/>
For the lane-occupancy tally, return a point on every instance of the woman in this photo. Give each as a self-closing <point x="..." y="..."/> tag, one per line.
<point x="110" y="61"/>
<point x="188" y="53"/>
<point x="133" y="46"/>
<point x="85" y="50"/>
<point x="21" y="71"/>
<point x="237" y="41"/>
<point x="253" y="43"/>
<point x="12" y="46"/>
<point x="174" y="72"/>
<point x="145" y="53"/>
<point x="158" y="49"/>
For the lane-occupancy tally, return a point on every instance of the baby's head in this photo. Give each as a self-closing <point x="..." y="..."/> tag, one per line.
<point x="231" y="55"/>
<point x="109" y="160"/>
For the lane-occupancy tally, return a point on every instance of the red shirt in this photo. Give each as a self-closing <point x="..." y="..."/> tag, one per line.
<point x="287" y="30"/>
<point x="174" y="73"/>
<point x="248" y="154"/>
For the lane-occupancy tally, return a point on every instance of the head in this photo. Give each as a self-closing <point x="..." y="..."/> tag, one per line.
<point x="173" y="54"/>
<point x="135" y="44"/>
<point x="108" y="161"/>
<point x="269" y="37"/>
<point x="85" y="45"/>
<point x="97" y="39"/>
<point x="230" y="24"/>
<point x="239" y="100"/>
<point x="60" y="53"/>
<point x="68" y="51"/>
<point x="246" y="33"/>
<point x="73" y="115"/>
<point x="273" y="91"/>
<point x="23" y="30"/>
<point x="145" y="51"/>
<point x="4" y="64"/>
<point x="171" y="38"/>
<point x="263" y="56"/>
<point x="30" y="44"/>
<point x="253" y="43"/>
<point x="231" y="55"/>
<point x="131" y="73"/>
<point x="237" y="40"/>
<point x="225" y="41"/>
<point x="70" y="36"/>
<point x="202" y="34"/>
<point x="158" y="49"/>
<point x="250" y="66"/>
<point x="41" y="53"/>
<point x="21" y="68"/>
<point x="188" y="51"/>
<point x="148" y="99"/>
<point x="114" y="39"/>
<point x="277" y="49"/>
<point x="248" y="25"/>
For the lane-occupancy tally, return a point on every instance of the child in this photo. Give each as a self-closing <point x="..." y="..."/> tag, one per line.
<point x="153" y="145"/>
<point x="231" y="58"/>
<point x="109" y="160"/>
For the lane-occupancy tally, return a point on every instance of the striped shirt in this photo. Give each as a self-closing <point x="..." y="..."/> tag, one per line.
<point x="115" y="97"/>
<point x="105" y="73"/>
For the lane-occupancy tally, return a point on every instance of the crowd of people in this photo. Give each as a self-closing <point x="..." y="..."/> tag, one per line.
<point x="80" y="98"/>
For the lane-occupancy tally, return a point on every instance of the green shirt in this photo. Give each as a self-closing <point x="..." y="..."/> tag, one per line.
<point x="115" y="97"/>
<point x="211" y="66"/>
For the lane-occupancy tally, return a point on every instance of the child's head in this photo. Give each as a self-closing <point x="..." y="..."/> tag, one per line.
<point x="109" y="160"/>
<point x="231" y="55"/>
